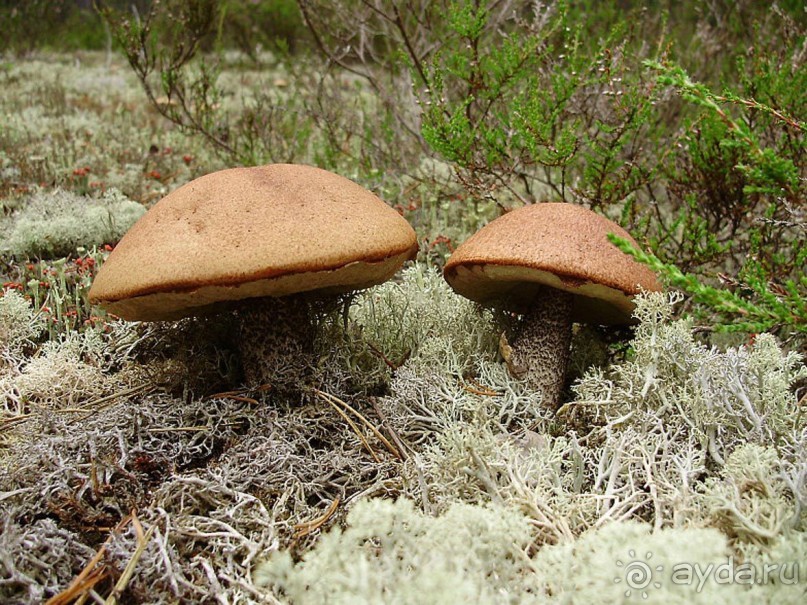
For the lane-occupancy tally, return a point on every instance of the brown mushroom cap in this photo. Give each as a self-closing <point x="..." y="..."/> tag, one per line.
<point x="558" y="245"/>
<point x="252" y="232"/>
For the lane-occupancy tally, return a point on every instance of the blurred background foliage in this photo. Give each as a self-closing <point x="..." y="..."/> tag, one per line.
<point x="67" y="25"/>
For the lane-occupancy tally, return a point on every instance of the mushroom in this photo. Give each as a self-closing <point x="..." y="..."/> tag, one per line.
<point x="553" y="264"/>
<point x="273" y="242"/>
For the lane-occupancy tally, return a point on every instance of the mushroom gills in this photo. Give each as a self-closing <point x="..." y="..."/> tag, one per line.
<point x="540" y="345"/>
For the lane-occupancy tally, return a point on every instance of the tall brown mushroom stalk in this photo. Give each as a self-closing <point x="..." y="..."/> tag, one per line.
<point x="540" y="345"/>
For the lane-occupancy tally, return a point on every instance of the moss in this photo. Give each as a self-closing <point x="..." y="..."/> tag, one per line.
<point x="415" y="322"/>
<point x="227" y="481"/>
<point x="54" y="224"/>
<point x="20" y="326"/>
<point x="757" y="496"/>
<point x="391" y="553"/>
<point x="627" y="562"/>
<point x="46" y="557"/>
<point x="722" y="398"/>
<point x="64" y="373"/>
<point x="420" y="320"/>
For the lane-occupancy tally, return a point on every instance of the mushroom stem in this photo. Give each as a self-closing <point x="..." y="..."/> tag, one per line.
<point x="540" y="348"/>
<point x="276" y="342"/>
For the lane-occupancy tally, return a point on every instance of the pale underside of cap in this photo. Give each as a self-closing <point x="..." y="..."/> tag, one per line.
<point x="553" y="245"/>
<point x="251" y="232"/>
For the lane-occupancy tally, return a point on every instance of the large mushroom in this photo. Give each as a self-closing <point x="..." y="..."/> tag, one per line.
<point x="553" y="264"/>
<point x="270" y="242"/>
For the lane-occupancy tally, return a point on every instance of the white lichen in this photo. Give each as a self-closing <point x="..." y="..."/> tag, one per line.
<point x="20" y="327"/>
<point x="723" y="398"/>
<point x="391" y="553"/>
<point x="498" y="500"/>
<point x="54" y="224"/>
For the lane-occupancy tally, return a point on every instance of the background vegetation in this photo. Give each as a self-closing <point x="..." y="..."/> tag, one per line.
<point x="683" y="122"/>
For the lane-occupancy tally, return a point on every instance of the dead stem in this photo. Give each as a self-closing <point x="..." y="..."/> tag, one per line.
<point x="90" y="575"/>
<point x="307" y="527"/>
<point x="332" y="398"/>
<point x="352" y="424"/>
<point x="128" y="572"/>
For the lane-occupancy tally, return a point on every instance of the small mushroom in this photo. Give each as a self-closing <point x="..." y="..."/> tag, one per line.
<point x="273" y="242"/>
<point x="553" y="264"/>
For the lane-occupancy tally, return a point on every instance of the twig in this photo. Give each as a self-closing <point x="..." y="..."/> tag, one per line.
<point x="393" y="365"/>
<point x="240" y="395"/>
<point x="307" y="527"/>
<point x="479" y="389"/>
<point x="351" y="423"/>
<point x="128" y="572"/>
<point x="395" y="437"/>
<point x="104" y="402"/>
<point x="90" y="575"/>
<point x="366" y="422"/>
<point x="180" y="429"/>
<point x="7" y="423"/>
<point x="79" y="588"/>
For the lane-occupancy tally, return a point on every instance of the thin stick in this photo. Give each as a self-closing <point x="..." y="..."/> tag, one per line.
<point x="128" y="572"/>
<point x="89" y="576"/>
<point x="240" y="393"/>
<point x="7" y="423"/>
<point x="307" y="527"/>
<point x="479" y="389"/>
<point x="79" y="588"/>
<point x="244" y="398"/>
<point x="97" y="405"/>
<point x="180" y="429"/>
<point x="392" y="365"/>
<point x="366" y="422"/>
<point x="351" y="423"/>
<point x="395" y="437"/>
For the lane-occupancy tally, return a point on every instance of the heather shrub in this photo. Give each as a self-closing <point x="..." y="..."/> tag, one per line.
<point x="563" y="101"/>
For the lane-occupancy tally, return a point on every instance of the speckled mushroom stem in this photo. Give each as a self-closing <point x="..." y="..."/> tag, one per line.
<point x="540" y="348"/>
<point x="276" y="343"/>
